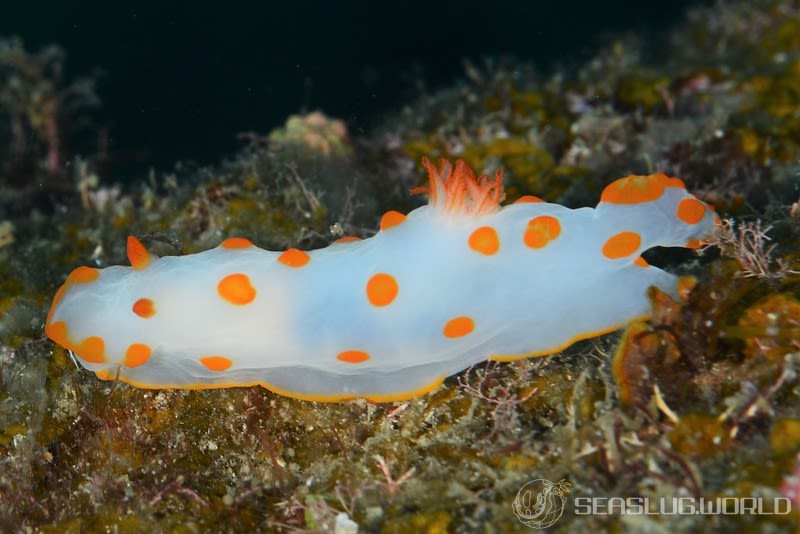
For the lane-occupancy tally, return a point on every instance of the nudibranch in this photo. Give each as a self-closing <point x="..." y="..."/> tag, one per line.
<point x="435" y="291"/>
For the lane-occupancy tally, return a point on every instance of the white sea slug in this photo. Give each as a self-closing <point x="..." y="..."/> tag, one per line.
<point x="386" y="318"/>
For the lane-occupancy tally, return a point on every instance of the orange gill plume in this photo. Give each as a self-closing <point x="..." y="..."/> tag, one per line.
<point x="455" y="190"/>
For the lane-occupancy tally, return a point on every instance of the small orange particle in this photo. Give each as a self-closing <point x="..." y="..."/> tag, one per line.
<point x="458" y="327"/>
<point x="484" y="240"/>
<point x="236" y="289"/>
<point x="541" y="230"/>
<point x="216" y="363"/>
<point x="294" y="257"/>
<point x="103" y="374"/>
<point x="391" y="218"/>
<point x="137" y="354"/>
<point x="83" y="275"/>
<point x="137" y="254"/>
<point x="672" y="182"/>
<point x="641" y="262"/>
<point x="690" y="210"/>
<point x="382" y="289"/>
<point x="347" y="239"/>
<point x="352" y="356"/>
<point x="621" y="245"/>
<point x="236" y="242"/>
<point x="144" y="308"/>
<point x="524" y="199"/>
<point x="685" y="286"/>
<point x="92" y="349"/>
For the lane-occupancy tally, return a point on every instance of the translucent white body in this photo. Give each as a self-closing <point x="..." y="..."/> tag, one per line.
<point x="520" y="300"/>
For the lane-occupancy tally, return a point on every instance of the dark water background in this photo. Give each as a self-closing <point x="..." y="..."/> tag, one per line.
<point x="181" y="79"/>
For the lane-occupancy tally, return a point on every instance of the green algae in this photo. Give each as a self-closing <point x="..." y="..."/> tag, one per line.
<point x="699" y="435"/>
<point x="784" y="438"/>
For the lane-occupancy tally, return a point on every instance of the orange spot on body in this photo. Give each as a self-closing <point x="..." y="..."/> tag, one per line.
<point x="216" y="363"/>
<point x="92" y="349"/>
<point x="621" y="245"/>
<point x="58" y="332"/>
<point x="541" y="230"/>
<point x="83" y="275"/>
<point x="690" y="210"/>
<point x="294" y="257"/>
<point x="694" y="243"/>
<point x="137" y="354"/>
<point x="382" y="289"/>
<point x="391" y="218"/>
<point x="137" y="254"/>
<point x="484" y="240"/>
<point x="347" y="239"/>
<point x="236" y="289"/>
<point x="637" y="189"/>
<point x="144" y="308"/>
<point x="353" y="356"/>
<point x="458" y="327"/>
<point x="527" y="199"/>
<point x="641" y="262"/>
<point x="236" y="242"/>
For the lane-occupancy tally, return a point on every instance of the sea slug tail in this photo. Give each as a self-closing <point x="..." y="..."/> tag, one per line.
<point x="657" y="210"/>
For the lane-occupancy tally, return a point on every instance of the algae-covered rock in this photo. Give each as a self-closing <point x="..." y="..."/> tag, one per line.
<point x="699" y="400"/>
